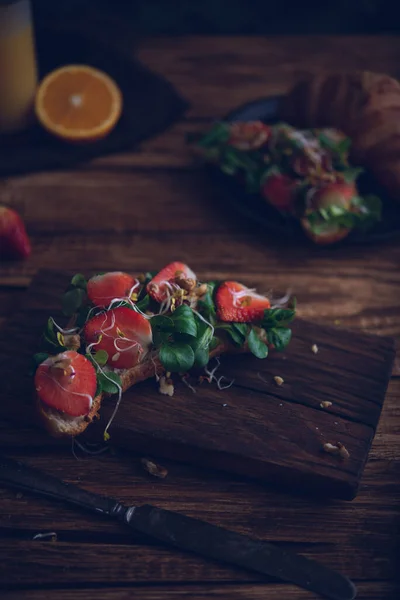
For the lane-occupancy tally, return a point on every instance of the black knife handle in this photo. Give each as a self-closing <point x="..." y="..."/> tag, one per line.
<point x="212" y="541"/>
<point x="23" y="477"/>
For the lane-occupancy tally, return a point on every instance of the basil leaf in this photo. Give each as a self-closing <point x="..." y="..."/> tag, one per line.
<point x="143" y="303"/>
<point x="177" y="358"/>
<point x="279" y="337"/>
<point x="72" y="301"/>
<point x="256" y="346"/>
<point x="101" y="357"/>
<point x="184" y="321"/>
<point x="201" y="357"/>
<point x="79" y="281"/>
<point x="110" y="382"/>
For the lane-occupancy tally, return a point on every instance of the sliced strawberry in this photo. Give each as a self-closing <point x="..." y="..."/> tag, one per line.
<point x="123" y="333"/>
<point x="67" y="382"/>
<point x="249" y="135"/>
<point x="102" y="289"/>
<point x="280" y="191"/>
<point x="235" y="302"/>
<point x="14" y="241"/>
<point x="159" y="286"/>
<point x="333" y="194"/>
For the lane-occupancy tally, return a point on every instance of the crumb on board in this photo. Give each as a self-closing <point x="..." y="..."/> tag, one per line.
<point x="153" y="468"/>
<point x="337" y="321"/>
<point x="50" y="535"/>
<point x="166" y="386"/>
<point x="325" y="404"/>
<point x="314" y="348"/>
<point x="339" y="449"/>
<point x="278" y="380"/>
<point x="224" y="405"/>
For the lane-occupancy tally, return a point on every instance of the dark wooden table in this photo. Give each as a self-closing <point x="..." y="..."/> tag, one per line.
<point x="151" y="207"/>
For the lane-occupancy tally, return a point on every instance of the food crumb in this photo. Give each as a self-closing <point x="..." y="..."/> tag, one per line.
<point x="314" y="348"/>
<point x="278" y="380"/>
<point x="153" y="468"/>
<point x="325" y="404"/>
<point x="337" y="321"/>
<point x="338" y="449"/>
<point x="224" y="405"/>
<point x="166" y="386"/>
<point x="48" y="535"/>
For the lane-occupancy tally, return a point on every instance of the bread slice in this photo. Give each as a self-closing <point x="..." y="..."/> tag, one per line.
<point x="60" y="425"/>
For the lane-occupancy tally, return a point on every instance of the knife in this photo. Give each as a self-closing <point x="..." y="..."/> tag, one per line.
<point x="187" y="533"/>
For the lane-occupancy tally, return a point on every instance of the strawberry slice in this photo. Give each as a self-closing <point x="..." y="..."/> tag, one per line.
<point x="235" y="302"/>
<point x="102" y="289"/>
<point x="67" y="382"/>
<point x="123" y="333"/>
<point x="280" y="191"/>
<point x="14" y="241"/>
<point x="159" y="286"/>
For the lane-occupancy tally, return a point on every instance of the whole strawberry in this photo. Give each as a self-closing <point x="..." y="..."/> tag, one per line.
<point x="14" y="241"/>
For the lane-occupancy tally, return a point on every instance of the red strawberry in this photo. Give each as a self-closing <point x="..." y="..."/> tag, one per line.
<point x="333" y="194"/>
<point x="160" y="284"/>
<point x="67" y="382"/>
<point x="14" y="241"/>
<point x="249" y="135"/>
<point x="123" y="333"/>
<point x="102" y="289"/>
<point x="235" y="302"/>
<point x="280" y="191"/>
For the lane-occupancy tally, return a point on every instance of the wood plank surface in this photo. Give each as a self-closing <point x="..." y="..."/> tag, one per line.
<point x="343" y="287"/>
<point x="254" y="428"/>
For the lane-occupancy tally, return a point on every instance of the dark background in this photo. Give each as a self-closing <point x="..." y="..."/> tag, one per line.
<point x="178" y="17"/>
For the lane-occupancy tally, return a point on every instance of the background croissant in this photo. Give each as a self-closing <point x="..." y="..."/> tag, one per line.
<point x="365" y="106"/>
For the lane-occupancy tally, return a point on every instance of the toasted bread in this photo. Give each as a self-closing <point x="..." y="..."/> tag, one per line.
<point x="59" y="424"/>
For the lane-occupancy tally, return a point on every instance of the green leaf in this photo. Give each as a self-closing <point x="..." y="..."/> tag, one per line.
<point x="256" y="346"/>
<point x="39" y="357"/>
<point x="218" y="134"/>
<point x="143" y="303"/>
<point x="72" y="301"/>
<point x="215" y="342"/>
<point x="206" y="305"/>
<point x="201" y="357"/>
<point x="351" y="174"/>
<point x="109" y="382"/>
<point x="277" y="317"/>
<point x="79" y="281"/>
<point x="184" y="321"/>
<point x="83" y="315"/>
<point x="162" y="322"/>
<point x="177" y="358"/>
<point x="101" y="357"/>
<point x="49" y="333"/>
<point x="279" y="337"/>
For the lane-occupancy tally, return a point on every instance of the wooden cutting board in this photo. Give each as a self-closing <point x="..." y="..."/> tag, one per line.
<point x="255" y="427"/>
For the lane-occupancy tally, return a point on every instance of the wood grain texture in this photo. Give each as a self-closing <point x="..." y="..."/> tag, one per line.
<point x="344" y="287"/>
<point x="254" y="428"/>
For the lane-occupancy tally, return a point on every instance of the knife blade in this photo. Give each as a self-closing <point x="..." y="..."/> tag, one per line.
<point x="186" y="533"/>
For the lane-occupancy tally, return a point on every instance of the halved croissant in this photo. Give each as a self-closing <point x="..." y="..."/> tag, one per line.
<point x="365" y="105"/>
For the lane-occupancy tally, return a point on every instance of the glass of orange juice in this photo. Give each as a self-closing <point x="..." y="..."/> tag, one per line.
<point x="18" y="71"/>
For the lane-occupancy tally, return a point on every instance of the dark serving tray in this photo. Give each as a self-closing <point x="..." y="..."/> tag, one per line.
<point x="255" y="208"/>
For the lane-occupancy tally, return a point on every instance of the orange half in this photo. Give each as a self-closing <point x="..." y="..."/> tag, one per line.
<point x="78" y="103"/>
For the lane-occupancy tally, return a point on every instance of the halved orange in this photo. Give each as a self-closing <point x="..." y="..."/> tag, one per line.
<point x="78" y="103"/>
